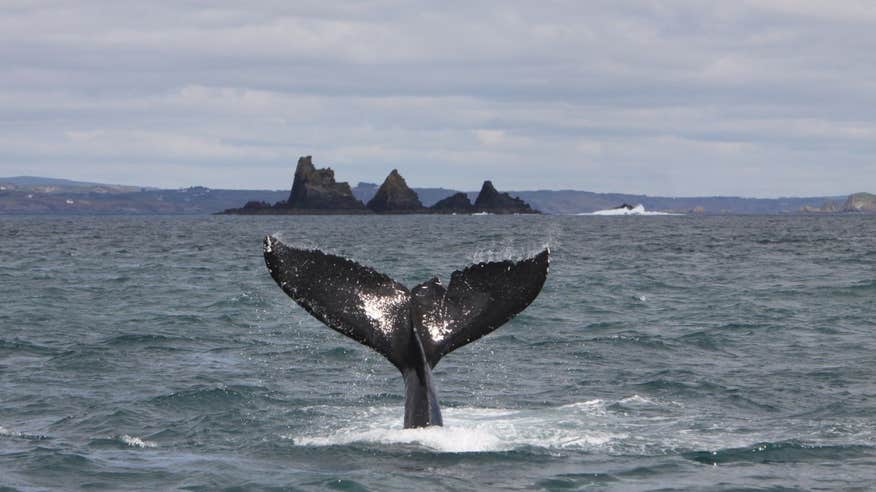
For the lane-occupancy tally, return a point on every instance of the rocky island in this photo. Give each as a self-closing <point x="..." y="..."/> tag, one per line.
<point x="315" y="192"/>
<point x="395" y="197"/>
<point x="860" y="202"/>
<point x="316" y="189"/>
<point x="855" y="203"/>
<point x="491" y="201"/>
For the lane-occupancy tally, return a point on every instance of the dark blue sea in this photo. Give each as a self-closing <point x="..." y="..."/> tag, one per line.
<point x="664" y="353"/>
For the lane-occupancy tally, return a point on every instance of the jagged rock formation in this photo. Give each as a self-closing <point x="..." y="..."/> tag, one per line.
<point x="456" y="203"/>
<point x="860" y="202"/>
<point x="394" y="196"/>
<point x="490" y="200"/>
<point x="316" y="189"/>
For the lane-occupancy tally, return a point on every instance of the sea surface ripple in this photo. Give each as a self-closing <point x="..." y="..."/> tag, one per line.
<point x="671" y="353"/>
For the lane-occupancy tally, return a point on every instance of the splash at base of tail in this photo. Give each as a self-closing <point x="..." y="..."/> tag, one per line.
<point x="412" y="328"/>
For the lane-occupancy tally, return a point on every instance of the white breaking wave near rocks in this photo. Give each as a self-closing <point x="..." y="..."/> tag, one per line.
<point x="637" y="210"/>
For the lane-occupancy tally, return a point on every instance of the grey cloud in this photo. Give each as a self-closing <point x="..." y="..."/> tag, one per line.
<point x="678" y="97"/>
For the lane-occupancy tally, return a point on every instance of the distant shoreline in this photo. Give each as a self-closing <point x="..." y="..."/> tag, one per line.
<point x="102" y="200"/>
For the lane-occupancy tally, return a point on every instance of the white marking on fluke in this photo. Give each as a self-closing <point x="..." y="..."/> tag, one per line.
<point x="382" y="309"/>
<point x="438" y="326"/>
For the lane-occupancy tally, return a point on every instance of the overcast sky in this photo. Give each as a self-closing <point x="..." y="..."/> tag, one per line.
<point x="753" y="98"/>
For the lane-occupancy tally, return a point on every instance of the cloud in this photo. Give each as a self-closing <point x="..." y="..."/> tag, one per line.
<point x="677" y="97"/>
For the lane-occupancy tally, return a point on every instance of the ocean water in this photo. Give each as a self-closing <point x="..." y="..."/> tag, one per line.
<point x="670" y="353"/>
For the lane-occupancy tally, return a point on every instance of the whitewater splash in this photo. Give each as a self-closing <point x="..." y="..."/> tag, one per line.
<point x="637" y="210"/>
<point x="634" y="425"/>
<point x="478" y="430"/>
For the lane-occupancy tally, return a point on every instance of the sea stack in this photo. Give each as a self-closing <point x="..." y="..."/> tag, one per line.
<point x="491" y="201"/>
<point x="316" y="189"/>
<point x="394" y="196"/>
<point x="456" y="203"/>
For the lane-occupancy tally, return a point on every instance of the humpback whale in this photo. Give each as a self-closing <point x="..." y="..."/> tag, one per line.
<point x="412" y="328"/>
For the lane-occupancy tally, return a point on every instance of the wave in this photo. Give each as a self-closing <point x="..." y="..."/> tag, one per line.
<point x="124" y="440"/>
<point x="706" y="341"/>
<point x="141" y="338"/>
<point x="861" y="288"/>
<point x="201" y="398"/>
<point x="136" y="442"/>
<point x="242" y="299"/>
<point x="211" y="399"/>
<point x="781" y="452"/>
<point x="4" y="432"/>
<point x="655" y="342"/>
<point x="22" y="347"/>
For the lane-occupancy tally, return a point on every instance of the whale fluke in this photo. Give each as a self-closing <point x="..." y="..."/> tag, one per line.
<point x="413" y="328"/>
<point x="478" y="300"/>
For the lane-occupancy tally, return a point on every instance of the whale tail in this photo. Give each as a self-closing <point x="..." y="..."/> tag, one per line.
<point x="383" y="314"/>
<point x="412" y="328"/>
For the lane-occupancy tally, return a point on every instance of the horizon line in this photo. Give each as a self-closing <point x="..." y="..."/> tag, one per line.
<point x="532" y="190"/>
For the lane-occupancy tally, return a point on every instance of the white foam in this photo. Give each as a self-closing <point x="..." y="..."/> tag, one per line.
<point x="473" y="430"/>
<point x="636" y="399"/>
<point x="136" y="442"/>
<point x="596" y="407"/>
<point x="6" y="432"/>
<point x="443" y="439"/>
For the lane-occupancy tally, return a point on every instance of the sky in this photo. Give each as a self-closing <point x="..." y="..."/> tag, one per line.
<point x="674" y="98"/>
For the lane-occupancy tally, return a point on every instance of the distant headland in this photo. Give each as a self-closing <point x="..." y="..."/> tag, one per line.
<point x="315" y="192"/>
<point x="856" y="202"/>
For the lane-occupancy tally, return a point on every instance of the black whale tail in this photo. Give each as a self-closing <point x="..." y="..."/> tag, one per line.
<point x="413" y="328"/>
